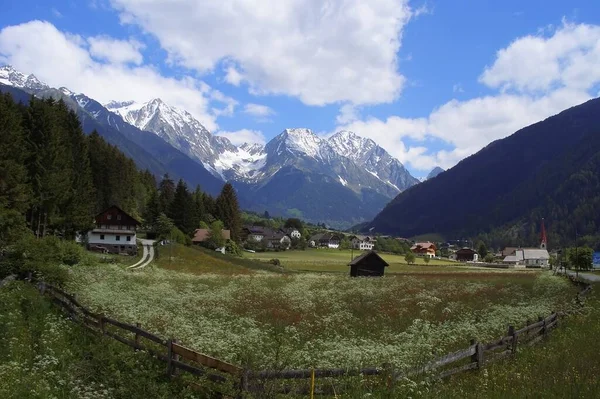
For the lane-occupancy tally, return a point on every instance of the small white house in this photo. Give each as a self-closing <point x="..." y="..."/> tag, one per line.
<point x="115" y="232"/>
<point x="530" y="257"/>
<point x="363" y="243"/>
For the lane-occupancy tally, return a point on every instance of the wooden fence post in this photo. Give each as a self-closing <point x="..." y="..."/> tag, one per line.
<point x="513" y="344"/>
<point x="477" y="357"/>
<point x="543" y="320"/>
<point x="137" y="334"/>
<point x="176" y="357"/>
<point x="170" y="357"/>
<point x="243" y="383"/>
<point x="102" y="325"/>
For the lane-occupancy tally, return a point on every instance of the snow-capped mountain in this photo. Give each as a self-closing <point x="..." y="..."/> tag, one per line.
<point x="342" y="180"/>
<point x="11" y="77"/>
<point x="346" y="156"/>
<point x="180" y="129"/>
<point x="376" y="160"/>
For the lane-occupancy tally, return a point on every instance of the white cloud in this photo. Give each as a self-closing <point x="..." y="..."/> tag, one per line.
<point x="545" y="75"/>
<point x="233" y="76"/>
<point x="56" y="13"/>
<point x="115" y="51"/>
<point x="67" y="62"/>
<point x="348" y="113"/>
<point x="243" y="136"/>
<point x="259" y="110"/>
<point x="568" y="58"/>
<point x="320" y="52"/>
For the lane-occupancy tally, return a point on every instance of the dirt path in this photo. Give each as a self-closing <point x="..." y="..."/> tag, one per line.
<point x="147" y="257"/>
<point x="586" y="276"/>
<point x="144" y="256"/>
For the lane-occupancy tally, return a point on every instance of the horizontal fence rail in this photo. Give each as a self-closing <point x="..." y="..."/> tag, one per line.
<point x="179" y="357"/>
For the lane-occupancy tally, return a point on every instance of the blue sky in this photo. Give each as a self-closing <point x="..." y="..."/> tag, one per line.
<point x="430" y="81"/>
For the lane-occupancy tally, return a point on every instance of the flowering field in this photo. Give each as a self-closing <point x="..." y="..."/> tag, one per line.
<point x="267" y="320"/>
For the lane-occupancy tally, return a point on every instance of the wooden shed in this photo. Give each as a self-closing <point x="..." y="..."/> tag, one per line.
<point x="369" y="264"/>
<point x="466" y="255"/>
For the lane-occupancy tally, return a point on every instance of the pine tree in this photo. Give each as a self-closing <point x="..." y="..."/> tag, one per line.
<point x="152" y="210"/>
<point x="228" y="211"/>
<point x="15" y="193"/>
<point x="79" y="204"/>
<point x="166" y="193"/>
<point x="181" y="209"/>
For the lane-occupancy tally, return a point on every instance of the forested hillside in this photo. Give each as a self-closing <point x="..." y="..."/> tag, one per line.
<point x="54" y="179"/>
<point x="548" y="170"/>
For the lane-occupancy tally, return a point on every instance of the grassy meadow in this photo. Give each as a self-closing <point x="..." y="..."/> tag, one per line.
<point x="335" y="260"/>
<point x="268" y="320"/>
<point x="44" y="355"/>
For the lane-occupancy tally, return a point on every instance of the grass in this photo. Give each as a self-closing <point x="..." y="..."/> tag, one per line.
<point x="335" y="260"/>
<point x="267" y="320"/>
<point x="177" y="257"/>
<point x="44" y="355"/>
<point x="198" y="260"/>
<point x="564" y="366"/>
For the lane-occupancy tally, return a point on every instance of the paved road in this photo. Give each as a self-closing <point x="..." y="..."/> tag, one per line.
<point x="586" y="276"/>
<point x="147" y="256"/>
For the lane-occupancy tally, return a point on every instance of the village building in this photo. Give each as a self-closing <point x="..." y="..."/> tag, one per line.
<point x="278" y="240"/>
<point x="424" y="249"/>
<point x="325" y="240"/>
<point x="530" y="257"/>
<point x="254" y="233"/>
<point x="115" y="232"/>
<point x="466" y="255"/>
<point x="369" y="264"/>
<point x="363" y="243"/>
<point x="201" y="235"/>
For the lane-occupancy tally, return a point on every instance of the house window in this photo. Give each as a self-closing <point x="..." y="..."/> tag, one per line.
<point x="118" y="238"/>
<point x="102" y="236"/>
<point x="109" y="217"/>
<point x="128" y="238"/>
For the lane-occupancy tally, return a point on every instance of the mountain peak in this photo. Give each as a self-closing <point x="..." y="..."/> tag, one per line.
<point x="302" y="140"/>
<point x="434" y="172"/>
<point x="12" y="77"/>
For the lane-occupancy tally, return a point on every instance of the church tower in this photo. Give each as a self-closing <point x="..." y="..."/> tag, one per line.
<point x="544" y="240"/>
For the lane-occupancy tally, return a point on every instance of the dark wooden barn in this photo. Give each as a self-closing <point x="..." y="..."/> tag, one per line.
<point x="369" y="264"/>
<point x="466" y="255"/>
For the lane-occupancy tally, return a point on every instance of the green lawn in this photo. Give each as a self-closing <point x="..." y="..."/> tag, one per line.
<point x="334" y="260"/>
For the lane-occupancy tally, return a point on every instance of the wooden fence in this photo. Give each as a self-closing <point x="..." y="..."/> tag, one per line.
<point x="179" y="357"/>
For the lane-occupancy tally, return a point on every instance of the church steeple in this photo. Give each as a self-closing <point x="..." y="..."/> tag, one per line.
<point x="544" y="240"/>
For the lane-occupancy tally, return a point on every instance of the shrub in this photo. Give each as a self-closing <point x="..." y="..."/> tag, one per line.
<point x="232" y="248"/>
<point x="71" y="253"/>
<point x="275" y="262"/>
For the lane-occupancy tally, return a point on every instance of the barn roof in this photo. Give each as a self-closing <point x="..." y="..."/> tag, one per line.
<point x="366" y="255"/>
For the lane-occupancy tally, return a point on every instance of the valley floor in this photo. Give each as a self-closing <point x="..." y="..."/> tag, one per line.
<point x="259" y="318"/>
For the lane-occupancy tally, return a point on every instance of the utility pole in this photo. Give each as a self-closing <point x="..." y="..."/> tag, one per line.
<point x="576" y="254"/>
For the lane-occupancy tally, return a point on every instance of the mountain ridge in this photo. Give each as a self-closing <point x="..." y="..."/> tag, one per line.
<point x="362" y="169"/>
<point x="548" y="170"/>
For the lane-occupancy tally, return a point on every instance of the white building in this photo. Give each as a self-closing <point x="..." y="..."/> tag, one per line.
<point x="363" y="243"/>
<point x="115" y="232"/>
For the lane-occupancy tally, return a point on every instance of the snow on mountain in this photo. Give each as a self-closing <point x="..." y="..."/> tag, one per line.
<point x="184" y="132"/>
<point x="11" y="77"/>
<point x="366" y="153"/>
